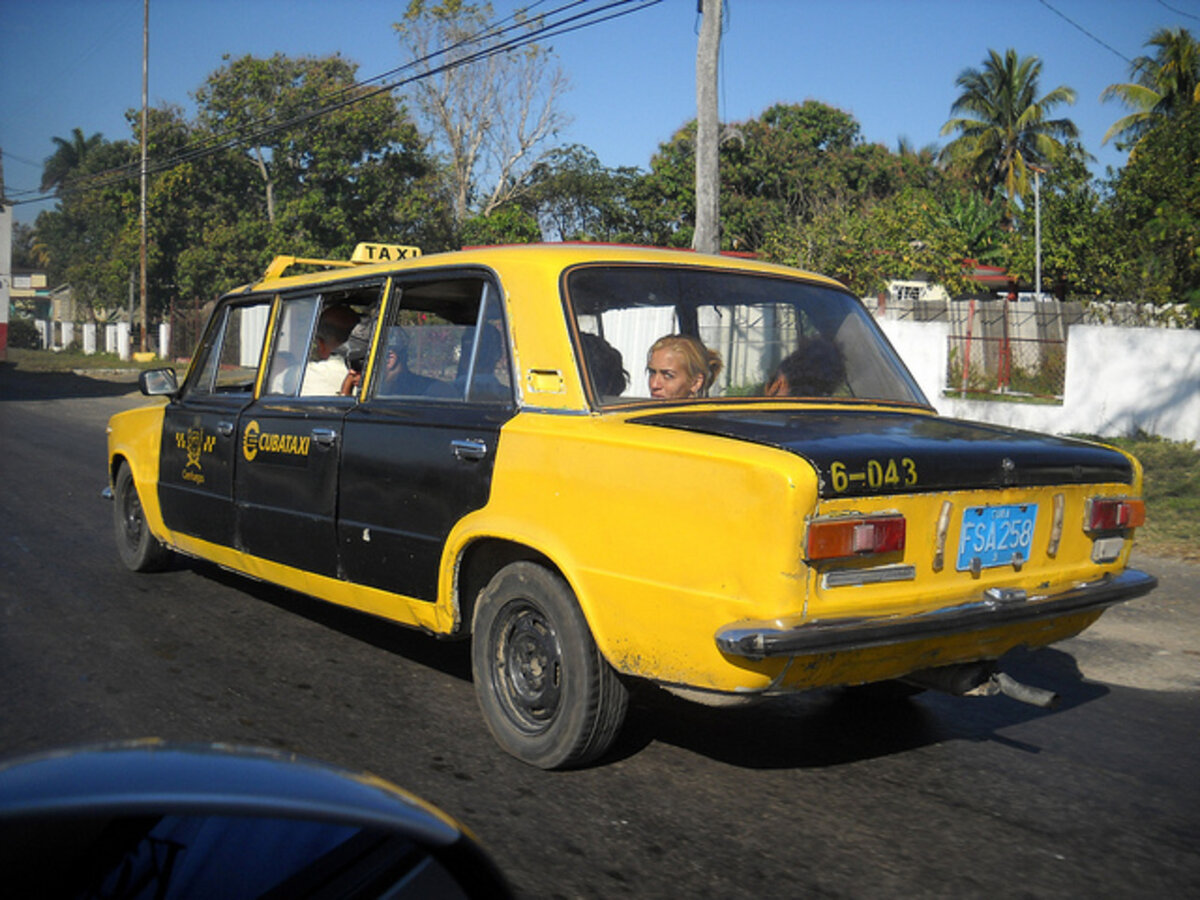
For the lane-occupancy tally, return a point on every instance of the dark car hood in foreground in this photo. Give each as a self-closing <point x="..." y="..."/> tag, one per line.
<point x="906" y="452"/>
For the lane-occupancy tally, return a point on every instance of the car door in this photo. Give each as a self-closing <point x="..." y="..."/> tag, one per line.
<point x="198" y="453"/>
<point x="290" y="438"/>
<point x="418" y="455"/>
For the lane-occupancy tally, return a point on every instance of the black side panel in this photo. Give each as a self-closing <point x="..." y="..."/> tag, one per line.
<point x="287" y="481"/>
<point x="196" y="466"/>
<point x="410" y="471"/>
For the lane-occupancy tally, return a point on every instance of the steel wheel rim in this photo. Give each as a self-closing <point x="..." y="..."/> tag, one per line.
<point x="527" y="667"/>
<point x="132" y="516"/>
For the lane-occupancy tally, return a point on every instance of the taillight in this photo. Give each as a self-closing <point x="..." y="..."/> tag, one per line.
<point x="1113" y="513"/>
<point x="849" y="536"/>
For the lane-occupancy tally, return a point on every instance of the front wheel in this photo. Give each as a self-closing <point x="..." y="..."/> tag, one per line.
<point x="138" y="548"/>
<point x="547" y="695"/>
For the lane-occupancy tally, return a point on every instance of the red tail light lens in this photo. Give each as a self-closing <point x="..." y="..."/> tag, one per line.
<point x="1114" y="513"/>
<point x="851" y="536"/>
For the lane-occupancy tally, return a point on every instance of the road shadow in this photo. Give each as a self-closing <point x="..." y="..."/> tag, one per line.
<point x="17" y="384"/>
<point x="832" y="727"/>
<point x="450" y="657"/>
<point x="815" y="729"/>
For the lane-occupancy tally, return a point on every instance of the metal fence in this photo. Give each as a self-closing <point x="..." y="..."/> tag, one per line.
<point x="998" y="347"/>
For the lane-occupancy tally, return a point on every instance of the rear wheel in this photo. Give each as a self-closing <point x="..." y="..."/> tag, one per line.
<point x="548" y="696"/>
<point x="138" y="548"/>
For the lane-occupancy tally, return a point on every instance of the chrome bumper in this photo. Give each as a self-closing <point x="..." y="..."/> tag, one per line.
<point x="995" y="608"/>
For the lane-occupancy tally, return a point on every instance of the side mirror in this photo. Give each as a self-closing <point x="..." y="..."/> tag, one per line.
<point x="219" y="821"/>
<point x="158" y="382"/>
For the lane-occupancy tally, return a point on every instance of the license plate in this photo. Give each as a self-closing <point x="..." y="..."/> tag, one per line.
<point x="996" y="535"/>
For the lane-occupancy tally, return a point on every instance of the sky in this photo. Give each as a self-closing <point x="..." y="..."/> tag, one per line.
<point x="892" y="64"/>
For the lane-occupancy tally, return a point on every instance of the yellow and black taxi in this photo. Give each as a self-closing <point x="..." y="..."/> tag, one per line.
<point x="602" y="464"/>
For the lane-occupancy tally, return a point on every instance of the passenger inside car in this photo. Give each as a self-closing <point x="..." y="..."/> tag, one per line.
<point x="398" y="379"/>
<point x="679" y="366"/>
<point x="604" y="364"/>
<point x="814" y="369"/>
<point x="328" y="374"/>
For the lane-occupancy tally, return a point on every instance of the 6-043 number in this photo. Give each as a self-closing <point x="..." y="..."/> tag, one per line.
<point x="876" y="474"/>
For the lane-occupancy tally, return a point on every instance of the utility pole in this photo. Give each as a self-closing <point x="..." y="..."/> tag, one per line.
<point x="145" y="117"/>
<point x="5" y="264"/>
<point x="1037" y="230"/>
<point x="707" y="238"/>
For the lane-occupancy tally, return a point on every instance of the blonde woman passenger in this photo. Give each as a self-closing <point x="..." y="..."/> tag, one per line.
<point x="680" y="367"/>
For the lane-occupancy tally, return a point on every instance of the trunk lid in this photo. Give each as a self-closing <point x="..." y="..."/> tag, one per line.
<point x="876" y="452"/>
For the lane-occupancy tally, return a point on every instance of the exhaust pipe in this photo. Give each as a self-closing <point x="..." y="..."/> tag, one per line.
<point x="981" y="680"/>
<point x="1003" y="683"/>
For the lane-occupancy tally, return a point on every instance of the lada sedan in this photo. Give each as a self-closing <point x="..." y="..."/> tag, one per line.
<point x="602" y="464"/>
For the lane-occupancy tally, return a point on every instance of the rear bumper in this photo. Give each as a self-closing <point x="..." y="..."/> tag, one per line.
<point x="992" y="609"/>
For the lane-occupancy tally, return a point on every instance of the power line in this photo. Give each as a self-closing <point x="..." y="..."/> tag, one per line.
<point x="253" y="131"/>
<point x="1075" y="24"/>
<point x="553" y="23"/>
<point x="1179" y="12"/>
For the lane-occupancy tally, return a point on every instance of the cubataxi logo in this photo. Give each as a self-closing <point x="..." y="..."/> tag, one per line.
<point x="256" y="441"/>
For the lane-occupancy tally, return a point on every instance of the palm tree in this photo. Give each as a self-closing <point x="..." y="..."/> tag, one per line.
<point x="1162" y="84"/>
<point x="1006" y="127"/>
<point x="69" y="156"/>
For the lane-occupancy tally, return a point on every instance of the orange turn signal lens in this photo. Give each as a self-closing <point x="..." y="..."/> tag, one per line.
<point x="849" y="536"/>
<point x="1114" y="513"/>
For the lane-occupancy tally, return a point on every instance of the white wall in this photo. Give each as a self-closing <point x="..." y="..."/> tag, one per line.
<point x="1118" y="381"/>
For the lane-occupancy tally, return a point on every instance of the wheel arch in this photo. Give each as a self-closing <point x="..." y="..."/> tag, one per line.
<point x="483" y="558"/>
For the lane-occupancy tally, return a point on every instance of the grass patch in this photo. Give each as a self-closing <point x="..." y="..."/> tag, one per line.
<point x="1172" y="491"/>
<point x="72" y="360"/>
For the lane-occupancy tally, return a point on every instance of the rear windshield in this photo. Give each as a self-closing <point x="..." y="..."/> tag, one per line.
<point x="655" y="332"/>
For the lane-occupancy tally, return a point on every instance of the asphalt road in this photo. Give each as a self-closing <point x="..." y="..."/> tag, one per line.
<point x="812" y="796"/>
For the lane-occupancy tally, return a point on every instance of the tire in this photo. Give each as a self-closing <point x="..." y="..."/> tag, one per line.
<point x="548" y="696"/>
<point x="140" y="551"/>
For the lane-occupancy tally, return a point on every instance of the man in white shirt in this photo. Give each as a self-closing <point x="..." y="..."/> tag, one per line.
<point x="329" y="375"/>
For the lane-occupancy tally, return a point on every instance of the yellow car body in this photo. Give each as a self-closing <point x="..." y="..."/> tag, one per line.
<point x="690" y="538"/>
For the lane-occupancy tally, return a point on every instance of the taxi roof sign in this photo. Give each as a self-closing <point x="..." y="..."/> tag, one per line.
<point x="374" y="253"/>
<point x="363" y="253"/>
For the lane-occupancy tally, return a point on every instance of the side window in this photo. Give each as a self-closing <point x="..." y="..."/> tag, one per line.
<point x="322" y="341"/>
<point x="447" y="341"/>
<point x="292" y="340"/>
<point x="232" y="348"/>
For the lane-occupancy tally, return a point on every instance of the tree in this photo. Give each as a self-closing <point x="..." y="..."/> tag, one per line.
<point x="327" y="151"/>
<point x="68" y="158"/>
<point x="1078" y="259"/>
<point x="1156" y="207"/>
<point x="1163" y="85"/>
<point x="791" y="165"/>
<point x="82" y="235"/>
<point x="490" y="112"/>
<point x="1004" y="127"/>
<point x="575" y="198"/>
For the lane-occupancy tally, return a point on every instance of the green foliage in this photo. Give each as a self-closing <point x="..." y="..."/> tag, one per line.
<point x="575" y="198"/>
<point x="794" y="166"/>
<point x="1163" y="84"/>
<point x="23" y="334"/>
<point x="979" y="223"/>
<point x="68" y="158"/>
<point x="1156" y="209"/>
<point x="1004" y="127"/>
<point x="504" y="225"/>
<point x="1078" y="260"/>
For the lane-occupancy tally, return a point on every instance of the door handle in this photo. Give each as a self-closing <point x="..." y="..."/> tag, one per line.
<point x="472" y="448"/>
<point x="224" y="429"/>
<point x="324" y="436"/>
